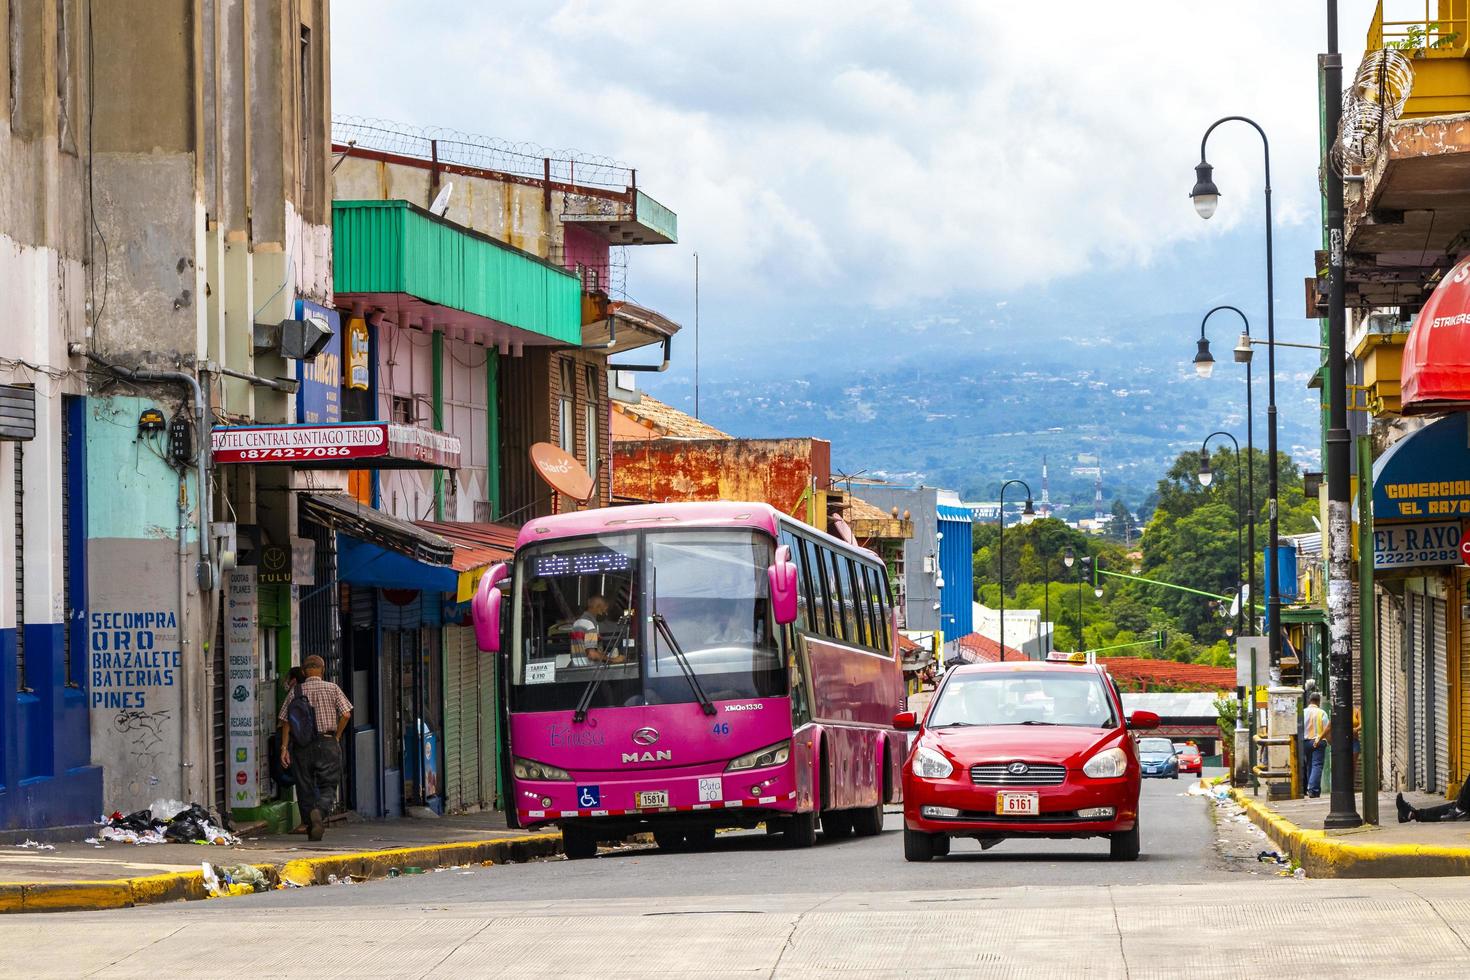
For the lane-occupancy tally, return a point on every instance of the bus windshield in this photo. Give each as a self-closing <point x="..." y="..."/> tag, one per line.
<point x="585" y="630"/>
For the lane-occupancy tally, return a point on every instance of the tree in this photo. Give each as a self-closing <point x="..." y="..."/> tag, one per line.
<point x="1122" y="521"/>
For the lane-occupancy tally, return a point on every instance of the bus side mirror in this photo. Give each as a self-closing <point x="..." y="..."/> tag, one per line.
<point x="1143" y="721"/>
<point x="485" y="607"/>
<point x="906" y="721"/>
<point x="782" y="574"/>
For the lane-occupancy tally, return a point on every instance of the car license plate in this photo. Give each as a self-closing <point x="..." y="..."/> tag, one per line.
<point x="653" y="797"/>
<point x="1017" y="804"/>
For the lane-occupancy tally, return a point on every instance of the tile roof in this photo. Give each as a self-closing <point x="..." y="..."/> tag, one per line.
<point x="1135" y="673"/>
<point x="982" y="649"/>
<point x="667" y="421"/>
<point x="475" y="544"/>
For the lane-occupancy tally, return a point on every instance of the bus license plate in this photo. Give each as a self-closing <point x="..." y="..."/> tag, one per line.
<point x="1018" y="804"/>
<point x="652" y="798"/>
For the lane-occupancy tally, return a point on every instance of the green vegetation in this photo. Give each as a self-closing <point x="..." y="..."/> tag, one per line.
<point x="1189" y="541"/>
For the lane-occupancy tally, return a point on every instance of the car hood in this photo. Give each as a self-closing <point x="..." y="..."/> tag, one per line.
<point x="1154" y="757"/>
<point x="1061" y="744"/>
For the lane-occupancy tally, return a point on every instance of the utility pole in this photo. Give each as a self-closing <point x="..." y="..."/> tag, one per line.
<point x="696" y="335"/>
<point x="1343" y="811"/>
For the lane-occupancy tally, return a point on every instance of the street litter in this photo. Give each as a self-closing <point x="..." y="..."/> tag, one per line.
<point x="1272" y="857"/>
<point x="36" y="846"/>
<point x="219" y="884"/>
<point x="167" y="821"/>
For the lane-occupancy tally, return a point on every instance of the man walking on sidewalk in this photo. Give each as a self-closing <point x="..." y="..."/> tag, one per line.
<point x="1318" y="726"/>
<point x="314" y="732"/>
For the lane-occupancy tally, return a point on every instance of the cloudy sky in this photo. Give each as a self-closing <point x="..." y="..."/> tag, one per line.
<point x="851" y="154"/>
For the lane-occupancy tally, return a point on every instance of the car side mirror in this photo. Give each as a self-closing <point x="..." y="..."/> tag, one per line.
<point x="1143" y="720"/>
<point x="906" y="721"/>
<point x="782" y="575"/>
<point x="485" y="607"/>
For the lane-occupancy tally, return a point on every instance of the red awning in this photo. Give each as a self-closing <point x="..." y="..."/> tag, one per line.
<point x="1436" y="372"/>
<point x="477" y="546"/>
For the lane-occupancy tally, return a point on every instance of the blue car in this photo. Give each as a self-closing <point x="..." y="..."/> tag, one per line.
<point x="1157" y="758"/>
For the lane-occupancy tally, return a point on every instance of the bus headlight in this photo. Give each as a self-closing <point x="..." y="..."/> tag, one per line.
<point x="527" y="769"/>
<point x="771" y="755"/>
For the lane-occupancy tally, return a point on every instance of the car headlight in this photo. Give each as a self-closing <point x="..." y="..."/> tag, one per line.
<point x="528" y="769"/>
<point x="931" y="764"/>
<point x="771" y="755"/>
<point x="1107" y="764"/>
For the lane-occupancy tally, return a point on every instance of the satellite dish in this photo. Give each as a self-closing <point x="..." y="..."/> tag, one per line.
<point x="562" y="471"/>
<point x="441" y="200"/>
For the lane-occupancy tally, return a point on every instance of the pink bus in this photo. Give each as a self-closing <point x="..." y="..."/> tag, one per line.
<point x="679" y="668"/>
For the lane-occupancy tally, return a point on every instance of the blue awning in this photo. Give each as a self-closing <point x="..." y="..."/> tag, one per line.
<point x="950" y="512"/>
<point x="366" y="564"/>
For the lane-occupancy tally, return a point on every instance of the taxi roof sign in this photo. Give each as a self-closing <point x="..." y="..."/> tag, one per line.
<point x="1061" y="656"/>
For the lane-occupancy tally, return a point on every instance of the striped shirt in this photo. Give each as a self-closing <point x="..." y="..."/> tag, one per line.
<point x="1316" y="722"/>
<point x="327" y="700"/>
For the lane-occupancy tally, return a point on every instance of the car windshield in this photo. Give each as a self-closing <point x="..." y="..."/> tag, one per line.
<point x="585" y="618"/>
<point x="1024" y="698"/>
<point x="1161" y="746"/>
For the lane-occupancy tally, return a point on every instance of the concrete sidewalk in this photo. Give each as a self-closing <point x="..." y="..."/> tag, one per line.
<point x="1387" y="850"/>
<point x="79" y="876"/>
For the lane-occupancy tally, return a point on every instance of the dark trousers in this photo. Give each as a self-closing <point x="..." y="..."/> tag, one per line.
<point x="318" y="769"/>
<point x="1458" y="810"/>
<point x="1317" y="758"/>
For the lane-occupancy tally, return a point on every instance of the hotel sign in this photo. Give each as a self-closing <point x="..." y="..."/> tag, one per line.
<point x="348" y="444"/>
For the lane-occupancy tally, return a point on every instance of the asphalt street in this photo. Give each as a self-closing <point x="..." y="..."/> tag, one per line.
<point x="750" y="907"/>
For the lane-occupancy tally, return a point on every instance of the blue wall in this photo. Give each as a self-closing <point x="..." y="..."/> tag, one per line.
<point x="956" y="564"/>
<point x="46" y="779"/>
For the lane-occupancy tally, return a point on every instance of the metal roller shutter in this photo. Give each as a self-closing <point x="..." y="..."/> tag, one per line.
<point x="1414" y="658"/>
<point x="453" y="784"/>
<point x="1393" y="749"/>
<point x="462" y="720"/>
<point x="1439" y="648"/>
<point x="1462" y="708"/>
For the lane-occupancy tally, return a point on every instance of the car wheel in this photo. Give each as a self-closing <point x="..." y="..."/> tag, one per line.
<point x="868" y="822"/>
<point x="800" y="829"/>
<point x="1176" y="775"/>
<point x="917" y="845"/>
<point x="1124" y="846"/>
<point x="578" y="843"/>
<point x="941" y="845"/>
<point x="837" y="824"/>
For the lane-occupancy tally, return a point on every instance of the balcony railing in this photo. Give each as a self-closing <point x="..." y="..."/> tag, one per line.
<point x="1443" y="31"/>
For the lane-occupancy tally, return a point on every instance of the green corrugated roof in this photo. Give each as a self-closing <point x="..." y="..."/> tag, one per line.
<point x="397" y="247"/>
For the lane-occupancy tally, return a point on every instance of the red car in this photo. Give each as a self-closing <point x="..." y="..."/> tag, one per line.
<point x="1189" y="757"/>
<point x="1022" y="750"/>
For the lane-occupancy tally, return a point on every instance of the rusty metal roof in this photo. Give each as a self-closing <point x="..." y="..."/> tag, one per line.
<point x="667" y="421"/>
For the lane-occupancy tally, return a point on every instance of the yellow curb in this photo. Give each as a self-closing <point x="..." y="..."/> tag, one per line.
<point x="81" y="896"/>
<point x="1328" y="857"/>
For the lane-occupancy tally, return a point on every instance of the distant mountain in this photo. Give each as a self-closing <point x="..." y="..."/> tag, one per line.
<point x="977" y="390"/>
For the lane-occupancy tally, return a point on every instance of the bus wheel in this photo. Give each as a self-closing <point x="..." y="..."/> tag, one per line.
<point x="800" y="829"/>
<point x="578" y="843"/>
<point x="868" y="822"/>
<point x="669" y="840"/>
<point x="837" y="824"/>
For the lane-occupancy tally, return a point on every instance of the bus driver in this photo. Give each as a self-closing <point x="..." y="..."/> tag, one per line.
<point x="586" y="635"/>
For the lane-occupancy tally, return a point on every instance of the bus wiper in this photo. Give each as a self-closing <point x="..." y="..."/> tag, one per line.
<point x="662" y="625"/>
<point x="584" y="703"/>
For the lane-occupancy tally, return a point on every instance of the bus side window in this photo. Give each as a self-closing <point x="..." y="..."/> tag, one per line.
<point x="804" y="612"/>
<point x="860" y="603"/>
<point x="816" y="561"/>
<point x="834" y="593"/>
<point x="870" y="583"/>
<point x="884" y="609"/>
<point x="849" y="599"/>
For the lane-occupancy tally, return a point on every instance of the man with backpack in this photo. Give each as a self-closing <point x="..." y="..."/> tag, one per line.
<point x="313" y="718"/>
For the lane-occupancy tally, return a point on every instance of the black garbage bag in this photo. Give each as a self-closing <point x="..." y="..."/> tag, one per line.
<point x="139" y="821"/>
<point x="185" y="829"/>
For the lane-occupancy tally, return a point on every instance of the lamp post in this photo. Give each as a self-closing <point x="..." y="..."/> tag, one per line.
<point x="1206" y="197"/>
<point x="1207" y="477"/>
<point x="1028" y="514"/>
<point x="1069" y="558"/>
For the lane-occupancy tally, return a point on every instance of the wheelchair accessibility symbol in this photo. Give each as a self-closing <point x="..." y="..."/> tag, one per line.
<point x="589" y="796"/>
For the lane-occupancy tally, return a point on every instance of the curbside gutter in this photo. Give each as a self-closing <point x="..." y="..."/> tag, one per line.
<point x="1326" y="856"/>
<point x="180" y="886"/>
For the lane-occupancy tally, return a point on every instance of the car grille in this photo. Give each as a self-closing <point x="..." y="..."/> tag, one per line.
<point x="999" y="774"/>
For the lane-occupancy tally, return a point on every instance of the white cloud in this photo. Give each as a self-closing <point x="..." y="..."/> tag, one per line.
<point x="870" y="152"/>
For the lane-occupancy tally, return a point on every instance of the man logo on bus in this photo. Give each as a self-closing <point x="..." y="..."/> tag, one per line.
<point x="662" y="755"/>
<point x="646" y="736"/>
